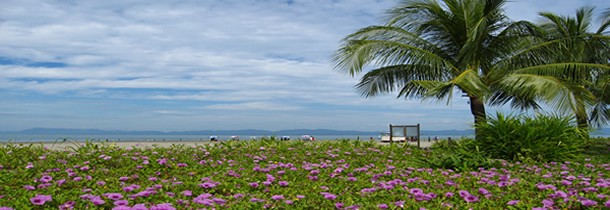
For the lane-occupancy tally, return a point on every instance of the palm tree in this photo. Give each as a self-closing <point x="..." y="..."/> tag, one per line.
<point x="428" y="49"/>
<point x="568" y="40"/>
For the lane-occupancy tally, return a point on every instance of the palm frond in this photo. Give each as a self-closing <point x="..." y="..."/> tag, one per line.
<point x="390" y="78"/>
<point x="430" y="90"/>
<point x="605" y="22"/>
<point x="470" y="83"/>
<point x="572" y="71"/>
<point x="356" y="54"/>
<point x="499" y="98"/>
<point x="563" y="95"/>
<point x="600" y="113"/>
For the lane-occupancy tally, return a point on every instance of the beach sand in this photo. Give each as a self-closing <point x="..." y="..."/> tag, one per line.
<point x="145" y="144"/>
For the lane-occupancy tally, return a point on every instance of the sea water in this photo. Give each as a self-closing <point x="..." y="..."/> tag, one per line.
<point x="25" y="138"/>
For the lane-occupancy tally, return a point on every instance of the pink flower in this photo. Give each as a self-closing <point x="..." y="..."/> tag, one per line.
<point x="588" y="202"/>
<point x="463" y="193"/>
<point x="46" y="178"/>
<point x="207" y="185"/>
<point x="330" y="196"/>
<point x="547" y="202"/>
<point x="162" y="161"/>
<point x="67" y="205"/>
<point x="40" y="199"/>
<point x="113" y="196"/>
<point x="513" y="202"/>
<point x="121" y="207"/>
<point x="399" y="204"/>
<point x="97" y="200"/>
<point x="255" y="200"/>
<point x="61" y="182"/>
<point x="163" y="206"/>
<point x="121" y="202"/>
<point x="416" y="191"/>
<point x="471" y="198"/>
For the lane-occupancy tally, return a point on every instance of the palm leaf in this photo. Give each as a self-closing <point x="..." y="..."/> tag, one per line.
<point x="388" y="79"/>
<point x="563" y="95"/>
<point x="358" y="53"/>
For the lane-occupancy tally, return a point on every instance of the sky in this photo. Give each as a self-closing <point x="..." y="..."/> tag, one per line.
<point x="204" y="65"/>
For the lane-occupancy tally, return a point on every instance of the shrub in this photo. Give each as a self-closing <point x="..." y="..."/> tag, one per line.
<point x="543" y="138"/>
<point x="460" y="155"/>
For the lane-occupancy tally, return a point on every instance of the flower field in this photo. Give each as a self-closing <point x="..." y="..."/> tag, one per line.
<point x="285" y="175"/>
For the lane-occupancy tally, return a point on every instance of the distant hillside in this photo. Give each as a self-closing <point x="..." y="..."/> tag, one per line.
<point x="247" y="132"/>
<point x="67" y="131"/>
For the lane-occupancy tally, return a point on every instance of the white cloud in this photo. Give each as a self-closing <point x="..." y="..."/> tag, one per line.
<point x="253" y="106"/>
<point x="215" y="57"/>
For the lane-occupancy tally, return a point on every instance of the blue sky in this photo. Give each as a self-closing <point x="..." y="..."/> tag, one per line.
<point x="195" y="65"/>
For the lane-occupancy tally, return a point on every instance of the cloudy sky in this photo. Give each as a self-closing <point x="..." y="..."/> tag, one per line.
<point x="202" y="64"/>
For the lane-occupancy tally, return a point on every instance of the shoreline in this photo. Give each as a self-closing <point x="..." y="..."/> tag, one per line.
<point x="148" y="144"/>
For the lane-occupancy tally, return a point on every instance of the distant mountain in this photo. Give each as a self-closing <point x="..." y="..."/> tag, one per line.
<point x="254" y="132"/>
<point x="67" y="131"/>
<point x="221" y="132"/>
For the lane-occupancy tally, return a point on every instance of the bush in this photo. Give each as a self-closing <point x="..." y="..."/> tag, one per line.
<point x="543" y="138"/>
<point x="460" y="155"/>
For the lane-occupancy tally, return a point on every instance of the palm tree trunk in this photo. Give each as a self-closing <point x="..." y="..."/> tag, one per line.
<point x="477" y="108"/>
<point x="582" y="121"/>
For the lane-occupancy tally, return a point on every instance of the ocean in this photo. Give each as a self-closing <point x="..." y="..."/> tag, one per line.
<point x="26" y="138"/>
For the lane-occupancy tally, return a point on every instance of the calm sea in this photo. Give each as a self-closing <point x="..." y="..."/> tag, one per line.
<point x="24" y="138"/>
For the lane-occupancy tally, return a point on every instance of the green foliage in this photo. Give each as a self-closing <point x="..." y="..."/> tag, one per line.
<point x="460" y="155"/>
<point x="598" y="149"/>
<point x="359" y="174"/>
<point x="542" y="138"/>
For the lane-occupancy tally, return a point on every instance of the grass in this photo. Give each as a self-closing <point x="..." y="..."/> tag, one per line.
<point x="341" y="174"/>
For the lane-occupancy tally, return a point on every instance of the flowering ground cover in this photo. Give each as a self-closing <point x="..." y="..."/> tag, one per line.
<point x="285" y="175"/>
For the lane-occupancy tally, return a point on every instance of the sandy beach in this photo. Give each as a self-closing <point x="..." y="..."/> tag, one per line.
<point x="145" y="144"/>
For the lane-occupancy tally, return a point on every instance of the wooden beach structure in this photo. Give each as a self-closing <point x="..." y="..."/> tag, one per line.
<point x="403" y="133"/>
